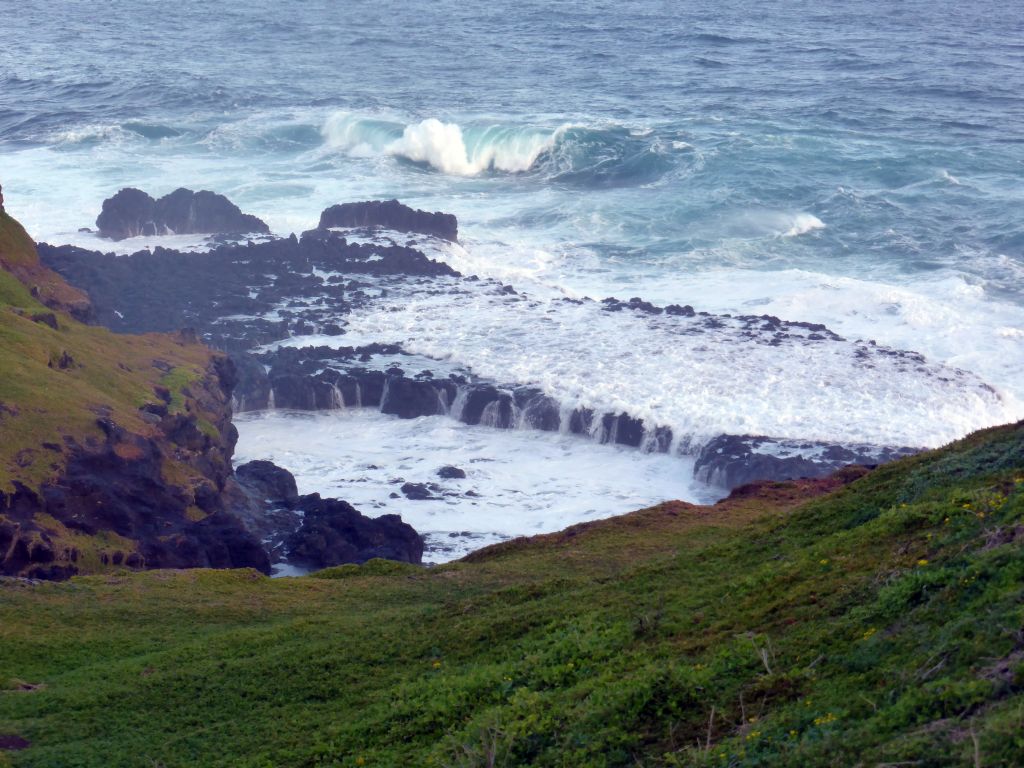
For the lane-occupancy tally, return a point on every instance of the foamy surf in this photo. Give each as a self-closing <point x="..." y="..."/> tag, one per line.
<point x="517" y="484"/>
<point x="699" y="376"/>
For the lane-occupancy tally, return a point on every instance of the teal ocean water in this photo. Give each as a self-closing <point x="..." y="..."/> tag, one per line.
<point x="846" y="163"/>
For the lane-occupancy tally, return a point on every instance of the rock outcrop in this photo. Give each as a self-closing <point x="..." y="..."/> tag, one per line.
<point x="311" y="532"/>
<point x="391" y="214"/>
<point x="155" y="494"/>
<point x="132" y="212"/>
<point x="730" y="461"/>
<point x="18" y="258"/>
<point x="333" y="532"/>
<point x="165" y="290"/>
<point x="243" y="297"/>
<point x="116" y="451"/>
<point x="268" y="482"/>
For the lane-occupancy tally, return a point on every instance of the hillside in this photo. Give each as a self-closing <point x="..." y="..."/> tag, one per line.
<point x="873" y="618"/>
<point x="115" y="449"/>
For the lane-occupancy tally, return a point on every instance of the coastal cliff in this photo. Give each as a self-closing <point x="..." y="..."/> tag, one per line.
<point x="116" y="450"/>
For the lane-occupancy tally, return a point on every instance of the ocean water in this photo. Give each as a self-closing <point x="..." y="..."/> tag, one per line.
<point x="847" y="163"/>
<point x="517" y="483"/>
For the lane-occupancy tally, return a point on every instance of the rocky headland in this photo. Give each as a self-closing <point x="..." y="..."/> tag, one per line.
<point x="247" y="297"/>
<point x="251" y="299"/>
<point x="117" y="449"/>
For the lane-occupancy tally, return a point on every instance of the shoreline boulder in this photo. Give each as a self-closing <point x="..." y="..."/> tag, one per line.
<point x="132" y="212"/>
<point x="391" y="214"/>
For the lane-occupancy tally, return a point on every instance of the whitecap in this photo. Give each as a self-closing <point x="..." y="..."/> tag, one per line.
<point x="802" y="223"/>
<point x="446" y="147"/>
<point x="947" y="176"/>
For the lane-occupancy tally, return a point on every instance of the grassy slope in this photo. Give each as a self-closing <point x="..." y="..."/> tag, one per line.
<point x="42" y="403"/>
<point x="879" y="623"/>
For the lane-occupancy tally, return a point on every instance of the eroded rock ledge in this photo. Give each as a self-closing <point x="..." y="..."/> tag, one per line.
<point x="244" y="298"/>
<point x="390" y="214"/>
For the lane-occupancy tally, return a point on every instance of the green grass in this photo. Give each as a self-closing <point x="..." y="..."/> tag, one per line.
<point x="46" y="409"/>
<point x="879" y="623"/>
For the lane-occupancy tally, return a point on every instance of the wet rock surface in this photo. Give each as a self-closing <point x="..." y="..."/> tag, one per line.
<point x="390" y="214"/>
<point x="312" y="532"/>
<point x="132" y="212"/>
<point x="333" y="532"/>
<point x="268" y="482"/>
<point x="451" y="473"/>
<point x="248" y="298"/>
<point x="730" y="461"/>
<point x="237" y="296"/>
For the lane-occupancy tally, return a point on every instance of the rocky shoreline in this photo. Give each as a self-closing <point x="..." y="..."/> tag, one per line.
<point x="118" y="451"/>
<point x="254" y="299"/>
<point x="247" y="298"/>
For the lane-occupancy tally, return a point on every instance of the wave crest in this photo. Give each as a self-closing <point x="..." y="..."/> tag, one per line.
<point x="568" y="153"/>
<point x="802" y="223"/>
<point x="444" y="146"/>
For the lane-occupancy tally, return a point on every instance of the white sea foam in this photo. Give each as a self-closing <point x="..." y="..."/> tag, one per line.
<point x="675" y="372"/>
<point x="93" y="242"/>
<point x="551" y="241"/>
<point x="528" y="482"/>
<point x="943" y="315"/>
<point x="94" y="132"/>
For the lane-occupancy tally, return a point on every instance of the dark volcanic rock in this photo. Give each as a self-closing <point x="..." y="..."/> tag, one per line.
<point x="132" y="212"/>
<point x="486" y="404"/>
<point x="117" y="483"/>
<point x="185" y="212"/>
<point x="252" y="392"/>
<point x="268" y="494"/>
<point x="417" y="492"/>
<point x="223" y="543"/>
<point x="333" y="532"/>
<point x="730" y="461"/>
<point x="312" y="532"/>
<point x="129" y="213"/>
<point x="538" y="410"/>
<point x="165" y="290"/>
<point x="451" y="473"/>
<point x="392" y="215"/>
<point x="409" y="398"/>
<point x="268" y="481"/>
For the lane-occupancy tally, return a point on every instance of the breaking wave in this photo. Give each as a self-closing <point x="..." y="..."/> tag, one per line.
<point x="566" y="153"/>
